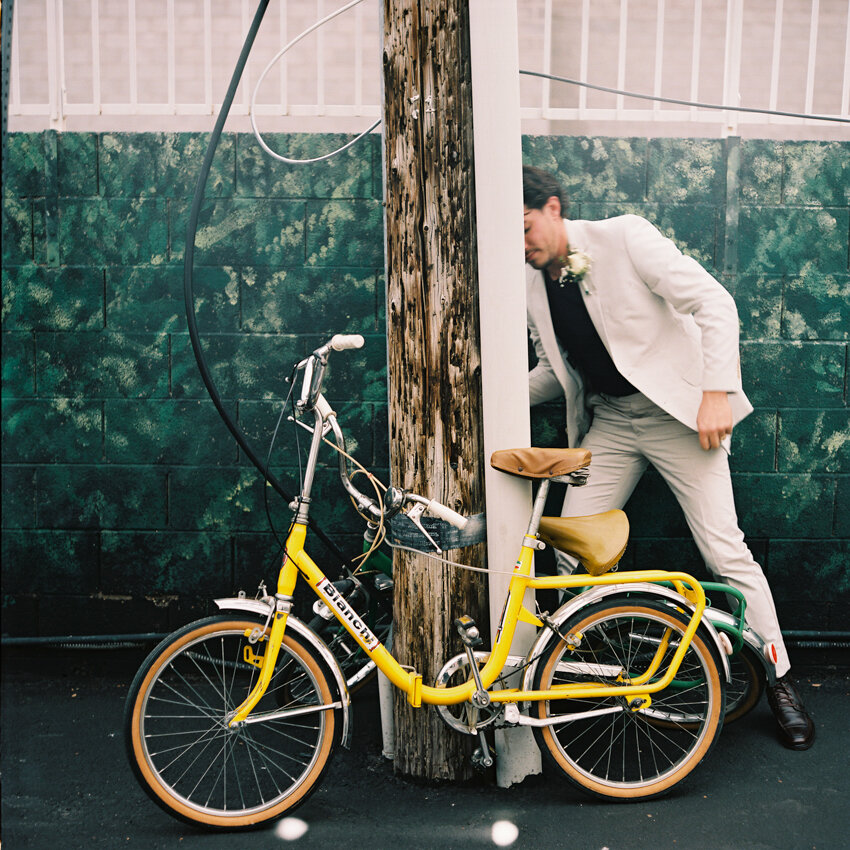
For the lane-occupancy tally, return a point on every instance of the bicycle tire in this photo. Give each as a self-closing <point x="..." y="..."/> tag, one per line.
<point x="744" y="691"/>
<point x="629" y="755"/>
<point x="191" y="763"/>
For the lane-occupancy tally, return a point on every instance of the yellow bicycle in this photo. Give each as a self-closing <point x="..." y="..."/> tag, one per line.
<point x="232" y="720"/>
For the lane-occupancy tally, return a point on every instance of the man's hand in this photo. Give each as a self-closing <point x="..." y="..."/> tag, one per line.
<point x="714" y="419"/>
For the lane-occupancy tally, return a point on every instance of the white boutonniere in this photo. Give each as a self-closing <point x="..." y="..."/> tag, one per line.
<point x="576" y="266"/>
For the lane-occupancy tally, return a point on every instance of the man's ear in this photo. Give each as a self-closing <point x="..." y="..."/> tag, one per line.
<point x="552" y="207"/>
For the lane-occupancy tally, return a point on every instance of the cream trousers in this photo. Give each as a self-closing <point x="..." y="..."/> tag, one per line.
<point x="631" y="432"/>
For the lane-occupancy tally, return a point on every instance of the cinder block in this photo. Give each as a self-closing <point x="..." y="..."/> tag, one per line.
<point x="164" y="564"/>
<point x="242" y="232"/>
<point x="300" y="300"/>
<point x="102" y="365"/>
<point x="791" y="374"/>
<point x="101" y="497"/>
<point x="77" y="165"/>
<point x="167" y="431"/>
<point x="813" y="570"/>
<point x="780" y="240"/>
<point x="19" y="615"/>
<point x="59" y="430"/>
<point x="817" y="307"/>
<point x="344" y="233"/>
<point x="817" y="173"/>
<point x="243" y="366"/>
<point x="136" y="165"/>
<point x="841" y="527"/>
<point x="18" y="364"/>
<point x="814" y="441"/>
<point x="691" y="171"/>
<point x="151" y="299"/>
<point x="777" y="505"/>
<point x="18" y="496"/>
<point x="206" y="499"/>
<point x="25" y="164"/>
<point x="64" y="299"/>
<point x="50" y="562"/>
<point x="754" y="443"/>
<point x="761" y="171"/>
<point x="653" y="510"/>
<point x="18" y="233"/>
<point x="759" y="300"/>
<point x="346" y="175"/>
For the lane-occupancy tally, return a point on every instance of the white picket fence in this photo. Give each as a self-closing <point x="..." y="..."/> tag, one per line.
<point x="165" y="64"/>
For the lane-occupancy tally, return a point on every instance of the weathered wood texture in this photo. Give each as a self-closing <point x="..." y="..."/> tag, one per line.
<point x="433" y="342"/>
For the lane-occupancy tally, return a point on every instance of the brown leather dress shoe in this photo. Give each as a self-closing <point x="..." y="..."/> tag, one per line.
<point x="796" y="729"/>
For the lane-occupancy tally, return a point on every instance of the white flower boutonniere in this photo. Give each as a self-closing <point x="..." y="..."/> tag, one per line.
<point x="575" y="268"/>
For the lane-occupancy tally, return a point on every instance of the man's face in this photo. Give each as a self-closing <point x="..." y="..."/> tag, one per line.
<point x="545" y="238"/>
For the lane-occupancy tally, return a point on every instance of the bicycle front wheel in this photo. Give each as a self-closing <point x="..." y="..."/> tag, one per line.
<point x="187" y="758"/>
<point x="600" y="744"/>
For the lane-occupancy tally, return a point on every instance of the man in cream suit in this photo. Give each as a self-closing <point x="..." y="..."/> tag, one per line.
<point x="643" y="344"/>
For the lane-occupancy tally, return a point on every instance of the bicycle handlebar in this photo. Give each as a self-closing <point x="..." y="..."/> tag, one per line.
<point x="340" y="342"/>
<point x="312" y="399"/>
<point x="450" y="516"/>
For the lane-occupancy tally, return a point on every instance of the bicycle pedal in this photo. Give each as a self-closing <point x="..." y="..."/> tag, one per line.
<point x="383" y="583"/>
<point x="468" y="631"/>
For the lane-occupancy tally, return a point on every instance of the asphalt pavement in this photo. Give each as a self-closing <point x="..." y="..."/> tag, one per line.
<point x="66" y="784"/>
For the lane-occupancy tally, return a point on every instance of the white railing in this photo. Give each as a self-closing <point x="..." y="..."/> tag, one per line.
<point x="93" y="64"/>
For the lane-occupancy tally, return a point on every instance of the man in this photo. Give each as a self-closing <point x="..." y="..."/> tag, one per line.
<point x="643" y="344"/>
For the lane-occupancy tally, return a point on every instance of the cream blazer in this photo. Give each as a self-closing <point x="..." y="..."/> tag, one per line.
<point x="670" y="327"/>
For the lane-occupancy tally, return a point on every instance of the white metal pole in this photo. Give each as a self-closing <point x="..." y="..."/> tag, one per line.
<point x="494" y="51"/>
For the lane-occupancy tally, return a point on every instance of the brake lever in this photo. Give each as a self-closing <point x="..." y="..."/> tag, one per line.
<point x="415" y="516"/>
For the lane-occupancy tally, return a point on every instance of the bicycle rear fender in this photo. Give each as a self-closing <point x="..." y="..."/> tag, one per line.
<point x="596" y="594"/>
<point x="261" y="608"/>
<point x="752" y="639"/>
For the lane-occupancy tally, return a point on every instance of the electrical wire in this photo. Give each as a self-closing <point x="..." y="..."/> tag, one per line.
<point x="272" y="63"/>
<point x="685" y="102"/>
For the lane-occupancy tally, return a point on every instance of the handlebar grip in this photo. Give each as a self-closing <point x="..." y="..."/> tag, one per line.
<point x="450" y="516"/>
<point x="340" y="342"/>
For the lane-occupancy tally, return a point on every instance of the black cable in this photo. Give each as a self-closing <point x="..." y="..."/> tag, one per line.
<point x="191" y="230"/>
<point x="684" y="102"/>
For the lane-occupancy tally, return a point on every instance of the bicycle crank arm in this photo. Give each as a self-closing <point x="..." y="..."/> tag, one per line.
<point x="514" y="718"/>
<point x="288" y="712"/>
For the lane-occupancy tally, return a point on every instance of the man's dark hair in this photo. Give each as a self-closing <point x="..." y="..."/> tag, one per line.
<point x="538" y="186"/>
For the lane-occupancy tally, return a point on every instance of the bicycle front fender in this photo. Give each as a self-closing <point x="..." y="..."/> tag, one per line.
<point x="261" y="608"/>
<point x="545" y="636"/>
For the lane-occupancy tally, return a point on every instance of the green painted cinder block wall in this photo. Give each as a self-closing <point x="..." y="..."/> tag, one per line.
<point x="126" y="503"/>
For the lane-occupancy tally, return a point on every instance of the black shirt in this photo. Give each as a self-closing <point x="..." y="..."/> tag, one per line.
<point x="579" y="338"/>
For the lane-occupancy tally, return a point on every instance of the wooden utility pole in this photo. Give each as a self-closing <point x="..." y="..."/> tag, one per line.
<point x="433" y="342"/>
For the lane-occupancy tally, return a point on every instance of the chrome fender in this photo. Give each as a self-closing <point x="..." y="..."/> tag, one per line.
<point x="261" y="608"/>
<point x="598" y="593"/>
<point x="752" y="639"/>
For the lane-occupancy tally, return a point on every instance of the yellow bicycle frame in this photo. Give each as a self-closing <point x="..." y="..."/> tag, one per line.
<point x="298" y="561"/>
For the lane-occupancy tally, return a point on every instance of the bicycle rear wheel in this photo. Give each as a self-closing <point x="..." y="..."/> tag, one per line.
<point x="618" y="753"/>
<point x="186" y="757"/>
